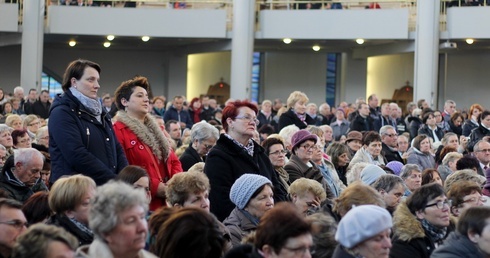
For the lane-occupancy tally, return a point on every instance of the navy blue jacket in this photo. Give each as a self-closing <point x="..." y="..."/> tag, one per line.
<point x="79" y="144"/>
<point x="183" y="116"/>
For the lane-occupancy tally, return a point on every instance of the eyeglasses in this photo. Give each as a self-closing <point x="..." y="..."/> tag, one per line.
<point x="44" y="138"/>
<point x="484" y="150"/>
<point x="36" y="123"/>
<point x="208" y="146"/>
<point x="476" y="199"/>
<point x="392" y="135"/>
<point x="300" y="251"/>
<point x="278" y="152"/>
<point x="249" y="119"/>
<point x="308" y="147"/>
<point x="440" y="204"/>
<point x="18" y="224"/>
<point x="25" y="140"/>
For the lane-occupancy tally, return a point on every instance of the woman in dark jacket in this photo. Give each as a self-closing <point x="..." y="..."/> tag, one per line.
<point x="235" y="154"/>
<point x="203" y="138"/>
<point x="472" y="121"/>
<point x="69" y="199"/>
<point x="456" y="122"/>
<point x="430" y="127"/>
<point x="464" y="242"/>
<point x="415" y="123"/>
<point x="482" y="132"/>
<point x="296" y="114"/>
<point x="81" y="138"/>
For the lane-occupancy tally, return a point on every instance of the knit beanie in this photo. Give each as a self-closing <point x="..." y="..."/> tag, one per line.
<point x="371" y="173"/>
<point x="244" y="187"/>
<point x="395" y="166"/>
<point x="361" y="223"/>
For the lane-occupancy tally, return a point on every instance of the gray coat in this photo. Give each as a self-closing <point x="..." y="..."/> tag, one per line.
<point x="423" y="160"/>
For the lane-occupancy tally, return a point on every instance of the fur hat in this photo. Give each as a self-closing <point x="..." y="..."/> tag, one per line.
<point x="361" y="223"/>
<point x="244" y="187"/>
<point x="371" y="173"/>
<point x="395" y="166"/>
<point x="302" y="136"/>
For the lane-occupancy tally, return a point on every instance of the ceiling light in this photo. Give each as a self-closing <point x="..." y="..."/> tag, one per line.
<point x="110" y="37"/>
<point x="107" y="44"/>
<point x="470" y="41"/>
<point x="316" y="48"/>
<point x="360" y="41"/>
<point x="72" y="43"/>
<point x="286" y="40"/>
<point x="145" y="38"/>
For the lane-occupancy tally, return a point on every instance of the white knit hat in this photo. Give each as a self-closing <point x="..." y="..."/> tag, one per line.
<point x="244" y="187"/>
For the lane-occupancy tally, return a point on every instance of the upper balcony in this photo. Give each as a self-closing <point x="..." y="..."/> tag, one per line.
<point x="276" y="19"/>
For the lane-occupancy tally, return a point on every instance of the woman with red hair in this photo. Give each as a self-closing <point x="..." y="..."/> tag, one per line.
<point x="195" y="109"/>
<point x="235" y="154"/>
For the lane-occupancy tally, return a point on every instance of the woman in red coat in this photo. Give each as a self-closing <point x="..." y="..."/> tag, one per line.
<point x="142" y="139"/>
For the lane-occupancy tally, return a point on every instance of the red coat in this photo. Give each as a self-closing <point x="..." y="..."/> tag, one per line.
<point x="140" y="154"/>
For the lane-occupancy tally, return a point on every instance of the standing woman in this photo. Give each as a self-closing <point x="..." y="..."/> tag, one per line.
<point x="296" y="114"/>
<point x="141" y="137"/>
<point x="195" y="109"/>
<point x="482" y="132"/>
<point x="472" y="122"/>
<point x="81" y="139"/>
<point x="236" y="154"/>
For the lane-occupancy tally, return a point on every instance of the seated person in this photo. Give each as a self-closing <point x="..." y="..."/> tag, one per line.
<point x="306" y="195"/>
<point x="464" y="195"/>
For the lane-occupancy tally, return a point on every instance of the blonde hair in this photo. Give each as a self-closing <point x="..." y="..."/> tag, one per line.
<point x="68" y="192"/>
<point x="357" y="194"/>
<point x="296" y="96"/>
<point x="11" y="119"/>
<point x="28" y="119"/>
<point x="302" y="186"/>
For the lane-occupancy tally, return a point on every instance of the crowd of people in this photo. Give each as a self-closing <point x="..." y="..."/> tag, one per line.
<point x="129" y="175"/>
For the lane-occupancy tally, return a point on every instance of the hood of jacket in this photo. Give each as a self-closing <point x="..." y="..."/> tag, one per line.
<point x="148" y="132"/>
<point x="405" y="225"/>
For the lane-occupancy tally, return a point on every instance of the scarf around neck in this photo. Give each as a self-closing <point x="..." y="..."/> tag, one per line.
<point x="435" y="233"/>
<point x="92" y="105"/>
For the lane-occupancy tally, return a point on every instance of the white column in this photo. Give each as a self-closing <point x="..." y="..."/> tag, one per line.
<point x="32" y="44"/>
<point x="426" y="51"/>
<point x="242" y="43"/>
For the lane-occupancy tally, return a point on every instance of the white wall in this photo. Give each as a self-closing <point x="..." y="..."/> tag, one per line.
<point x="387" y="73"/>
<point x="287" y="72"/>
<point x="207" y="69"/>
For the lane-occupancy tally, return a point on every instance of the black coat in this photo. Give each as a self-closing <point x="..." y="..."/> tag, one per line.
<point x="15" y="189"/>
<point x="39" y="109"/>
<point x="457" y="246"/>
<point x="361" y="124"/>
<point x="79" y="144"/>
<point x="476" y="135"/>
<point x="189" y="158"/>
<point x="468" y="126"/>
<point x="391" y="155"/>
<point x="225" y="163"/>
<point x="427" y="131"/>
<point x="290" y="118"/>
<point x="414" y="126"/>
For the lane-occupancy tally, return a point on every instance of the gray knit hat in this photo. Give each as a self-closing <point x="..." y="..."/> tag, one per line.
<point x="244" y="187"/>
<point x="361" y="223"/>
<point x="371" y="173"/>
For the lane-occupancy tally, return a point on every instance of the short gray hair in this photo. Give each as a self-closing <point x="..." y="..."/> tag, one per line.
<point x="25" y="155"/>
<point x="41" y="132"/>
<point x="110" y="200"/>
<point x="385" y="128"/>
<point x="387" y="182"/>
<point x="5" y="128"/>
<point x="408" y="169"/>
<point x="287" y="132"/>
<point x="203" y="130"/>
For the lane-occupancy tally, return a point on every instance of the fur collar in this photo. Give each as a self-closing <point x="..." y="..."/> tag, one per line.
<point x="149" y="133"/>
<point x="405" y="225"/>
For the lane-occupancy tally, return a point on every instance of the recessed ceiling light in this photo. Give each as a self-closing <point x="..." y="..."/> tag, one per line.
<point x="470" y="41"/>
<point x="107" y="44"/>
<point x="286" y="40"/>
<point x="316" y="48"/>
<point x="72" y="43"/>
<point x="145" y="38"/>
<point x="360" y="41"/>
<point x="110" y="37"/>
